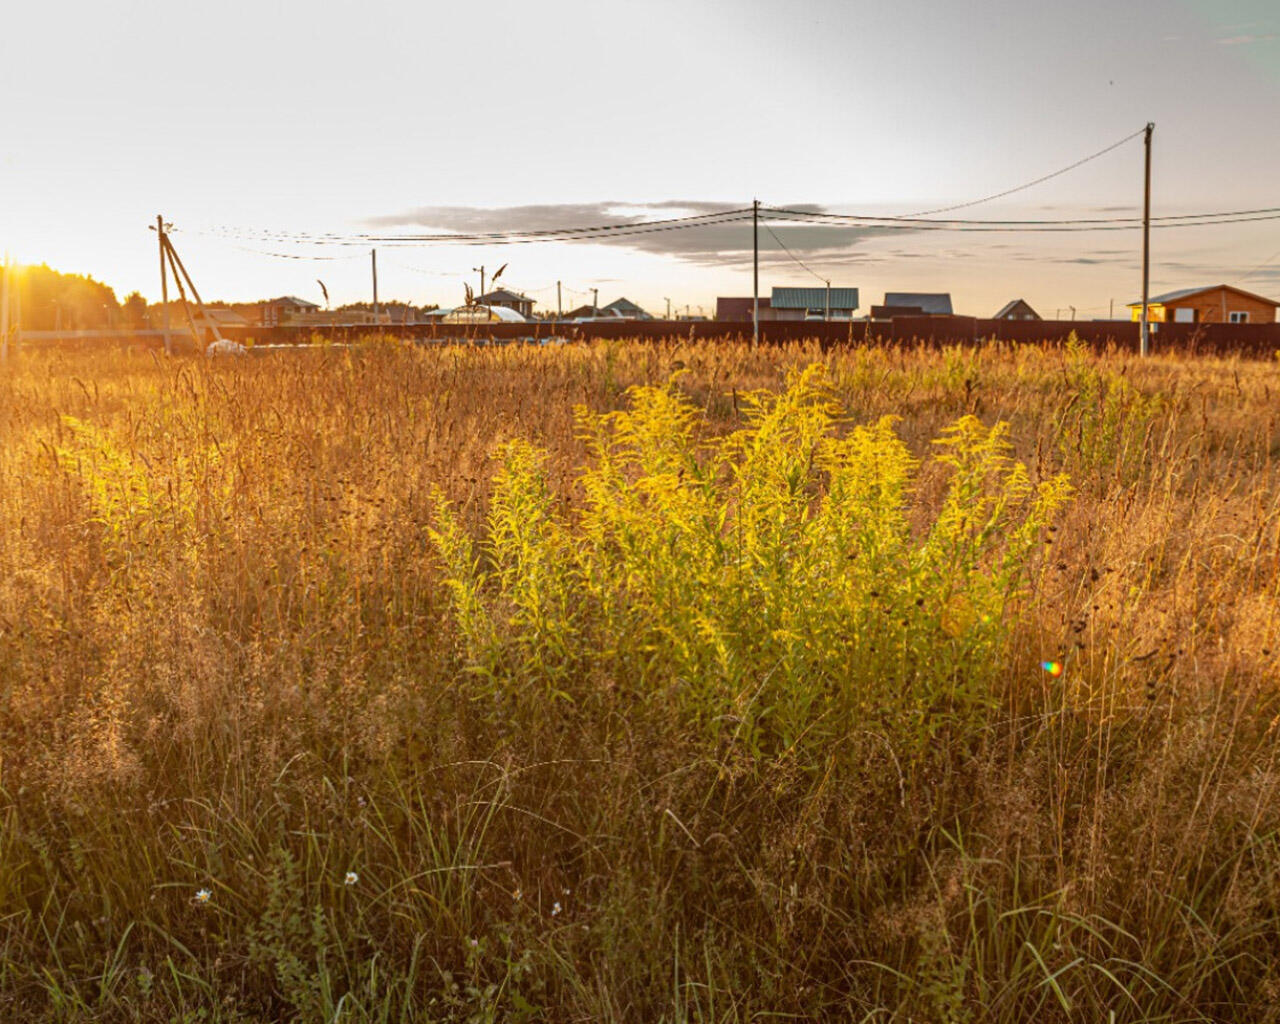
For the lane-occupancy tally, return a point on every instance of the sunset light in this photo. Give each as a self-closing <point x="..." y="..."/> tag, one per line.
<point x="699" y="512"/>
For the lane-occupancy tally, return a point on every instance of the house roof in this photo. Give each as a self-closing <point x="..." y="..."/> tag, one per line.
<point x="930" y="302"/>
<point x="1186" y="293"/>
<point x="293" y="300"/>
<point x="623" y="304"/>
<point x="503" y="295"/>
<point x="813" y="298"/>
<point x="1010" y="306"/>
<point x="226" y="316"/>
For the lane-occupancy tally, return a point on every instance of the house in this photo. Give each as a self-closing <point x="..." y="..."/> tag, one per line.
<point x="918" y="303"/>
<point x="1017" y="309"/>
<point x="626" y="309"/>
<point x="1211" y="304"/>
<point x="740" y="307"/>
<point x="505" y="298"/>
<point x="813" y="303"/>
<point x="285" y="309"/>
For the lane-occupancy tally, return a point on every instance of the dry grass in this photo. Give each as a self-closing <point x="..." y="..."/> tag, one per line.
<point x="229" y="661"/>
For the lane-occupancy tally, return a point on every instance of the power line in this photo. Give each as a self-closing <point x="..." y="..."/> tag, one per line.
<point x="793" y="255"/>
<point x="496" y="237"/>
<point x="1032" y="184"/>
<point x="1024" y="226"/>
<point x="1265" y="263"/>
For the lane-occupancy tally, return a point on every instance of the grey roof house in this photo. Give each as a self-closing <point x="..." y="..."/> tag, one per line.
<point x="931" y="303"/>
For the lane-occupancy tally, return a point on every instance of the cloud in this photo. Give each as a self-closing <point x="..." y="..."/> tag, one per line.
<point x="1247" y="38"/>
<point x="719" y="244"/>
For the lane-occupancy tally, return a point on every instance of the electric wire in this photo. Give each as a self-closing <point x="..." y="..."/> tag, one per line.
<point x="1019" y="227"/>
<point x="794" y="256"/>
<point x="1265" y="263"/>
<point x="495" y="237"/>
<point x="1088" y="223"/>
<point x="1032" y="184"/>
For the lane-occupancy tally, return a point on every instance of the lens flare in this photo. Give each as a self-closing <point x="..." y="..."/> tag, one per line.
<point x="1054" y="668"/>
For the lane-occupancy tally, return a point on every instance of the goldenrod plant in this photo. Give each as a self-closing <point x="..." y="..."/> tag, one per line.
<point x="769" y="583"/>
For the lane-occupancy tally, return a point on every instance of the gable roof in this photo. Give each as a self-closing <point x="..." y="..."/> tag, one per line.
<point x="292" y="300"/>
<point x="1013" y="304"/>
<point x="813" y="298"/>
<point x="1186" y="293"/>
<point x="930" y="302"/>
<point x="623" y="303"/>
<point x="503" y="295"/>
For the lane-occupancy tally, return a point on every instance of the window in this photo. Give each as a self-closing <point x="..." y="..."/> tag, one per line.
<point x="1183" y="315"/>
<point x="1237" y="316"/>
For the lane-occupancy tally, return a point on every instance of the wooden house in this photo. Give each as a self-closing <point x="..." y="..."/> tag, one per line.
<point x="1211" y="304"/>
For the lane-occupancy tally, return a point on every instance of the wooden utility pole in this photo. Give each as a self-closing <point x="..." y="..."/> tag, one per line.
<point x="668" y="301"/>
<point x="182" y="291"/>
<point x="595" y="302"/>
<point x="373" y="255"/>
<point x="1146" y="244"/>
<point x="827" y="314"/>
<point x="559" y="305"/>
<point x="755" y="272"/>
<point x="179" y="274"/>
<point x="164" y="285"/>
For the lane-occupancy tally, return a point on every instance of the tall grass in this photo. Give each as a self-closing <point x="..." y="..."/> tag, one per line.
<point x="625" y="681"/>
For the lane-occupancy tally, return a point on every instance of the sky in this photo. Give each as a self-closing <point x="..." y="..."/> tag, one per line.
<point x="247" y="123"/>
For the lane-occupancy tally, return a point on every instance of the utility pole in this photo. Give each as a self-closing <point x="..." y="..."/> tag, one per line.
<point x="373" y="256"/>
<point x="595" y="302"/>
<point x="559" y="304"/>
<point x="1146" y="243"/>
<point x="755" y="272"/>
<point x="164" y="285"/>
<point x="668" y="302"/>
<point x="481" y="291"/>
<point x="827" y="315"/>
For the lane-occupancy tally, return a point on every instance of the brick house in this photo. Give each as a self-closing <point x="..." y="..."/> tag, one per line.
<point x="739" y="307"/>
<point x="285" y="309"/>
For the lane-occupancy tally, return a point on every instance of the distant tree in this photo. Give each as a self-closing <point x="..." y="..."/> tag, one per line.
<point x="134" y="310"/>
<point x="51" y="300"/>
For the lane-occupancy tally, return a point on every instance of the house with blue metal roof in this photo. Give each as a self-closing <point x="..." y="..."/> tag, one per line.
<point x="813" y="303"/>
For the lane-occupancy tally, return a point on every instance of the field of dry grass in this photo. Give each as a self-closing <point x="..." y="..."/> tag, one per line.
<point x="379" y="685"/>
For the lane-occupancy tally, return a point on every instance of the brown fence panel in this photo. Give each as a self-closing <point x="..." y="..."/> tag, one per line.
<point x="1259" y="341"/>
